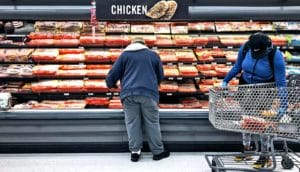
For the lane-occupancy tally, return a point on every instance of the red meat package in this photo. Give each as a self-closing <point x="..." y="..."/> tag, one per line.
<point x="187" y="88"/>
<point x="204" y="55"/>
<point x="45" y="86"/>
<point x="114" y="54"/>
<point x="101" y="66"/>
<point x="45" y="55"/>
<point x="186" y="56"/>
<point x="254" y="124"/>
<point x="45" y="70"/>
<point x="191" y="103"/>
<point x="204" y="67"/>
<point x="97" y="56"/>
<point x="204" y="88"/>
<point x="170" y="71"/>
<point x="40" y="35"/>
<point x="115" y="103"/>
<point x="97" y="101"/>
<point x="71" y="51"/>
<point x="168" y="86"/>
<point x="66" y="35"/>
<point x="90" y="40"/>
<point x="40" y="42"/>
<point x="117" y="40"/>
<point x="163" y="40"/>
<point x="167" y="55"/>
<point x="183" y="40"/>
<point x="72" y="67"/>
<point x="97" y="85"/>
<point x="71" y="58"/>
<point x="72" y="73"/>
<point x="71" y="86"/>
<point x="200" y="41"/>
<point x="188" y="70"/>
<point x="66" y="42"/>
<point x="97" y="72"/>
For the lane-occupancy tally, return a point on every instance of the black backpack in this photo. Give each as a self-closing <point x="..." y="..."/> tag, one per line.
<point x="271" y="56"/>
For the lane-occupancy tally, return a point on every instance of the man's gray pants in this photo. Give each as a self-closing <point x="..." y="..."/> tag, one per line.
<point x="141" y="111"/>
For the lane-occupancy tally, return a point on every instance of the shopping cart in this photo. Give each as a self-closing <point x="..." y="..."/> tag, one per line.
<point x="253" y="109"/>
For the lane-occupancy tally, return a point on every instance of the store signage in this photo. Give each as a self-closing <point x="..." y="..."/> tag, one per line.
<point x="141" y="9"/>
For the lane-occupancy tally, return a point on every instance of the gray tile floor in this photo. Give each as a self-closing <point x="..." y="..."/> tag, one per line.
<point x="104" y="162"/>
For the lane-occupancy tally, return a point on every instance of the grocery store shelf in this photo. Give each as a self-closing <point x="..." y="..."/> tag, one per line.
<point x="98" y="114"/>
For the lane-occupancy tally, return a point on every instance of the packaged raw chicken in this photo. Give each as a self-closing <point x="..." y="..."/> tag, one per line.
<point x="142" y="28"/>
<point x="71" y="51"/>
<point x="183" y="40"/>
<point x="171" y="106"/>
<point x="97" y="56"/>
<point x="185" y="55"/>
<point x="66" y="35"/>
<point x="71" y="86"/>
<point x="97" y="72"/>
<point x="95" y="85"/>
<point x="114" y="54"/>
<point x="167" y="55"/>
<point x="86" y="40"/>
<point x="66" y="42"/>
<point x="40" y="35"/>
<point x="45" y="70"/>
<point x="170" y="71"/>
<point x="71" y="58"/>
<point x="40" y="42"/>
<point x="118" y="27"/>
<point x="97" y="101"/>
<point x="188" y="70"/>
<point x="72" y="67"/>
<point x="101" y="66"/>
<point x="117" y="40"/>
<point x="177" y="28"/>
<point x="204" y="55"/>
<point x="45" y="86"/>
<point x="163" y="41"/>
<point x="187" y="87"/>
<point x="201" y="26"/>
<point x="45" y="55"/>
<point x="168" y="86"/>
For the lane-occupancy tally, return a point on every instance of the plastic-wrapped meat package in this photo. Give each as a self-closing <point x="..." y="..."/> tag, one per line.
<point x="66" y="42"/>
<point x="74" y="104"/>
<point x="11" y="55"/>
<point x="204" y="88"/>
<point x="45" y="86"/>
<point x="87" y="27"/>
<point x="97" y="101"/>
<point x="188" y="70"/>
<point x="18" y="71"/>
<point x="24" y="54"/>
<point x="213" y="82"/>
<point x="71" y="51"/>
<point x="100" y="66"/>
<point x="163" y="40"/>
<point x="168" y="86"/>
<point x="26" y="70"/>
<point x="3" y="73"/>
<point x="210" y="73"/>
<point x="191" y="103"/>
<point x="40" y="35"/>
<point x="162" y="27"/>
<point x="234" y="82"/>
<point x="222" y="71"/>
<point x="114" y="54"/>
<point x="187" y="87"/>
<point x="204" y="67"/>
<point x="170" y="71"/>
<point x="2" y="54"/>
<point x="49" y="55"/>
<point x="16" y="55"/>
<point x="115" y="103"/>
<point x="200" y="40"/>
<point x="204" y="55"/>
<point x="117" y="27"/>
<point x="98" y="85"/>
<point x="201" y="26"/>
<point x="90" y="40"/>
<point x="72" y="67"/>
<point x="233" y="40"/>
<point x="231" y="56"/>
<point x="97" y="56"/>
<point x="223" y="27"/>
<point x="117" y="40"/>
<point x="183" y="40"/>
<point x="72" y="73"/>
<point x="26" y="88"/>
<point x="171" y="106"/>
<point x="45" y="25"/>
<point x="177" y="28"/>
<point x="142" y="28"/>
<point x="255" y="124"/>
<point x="71" y="58"/>
<point x="217" y="53"/>
<point x="186" y="56"/>
<point x="97" y="72"/>
<point x="71" y="86"/>
<point x="167" y="55"/>
<point x="213" y="39"/>
<point x="66" y="35"/>
<point x="40" y="42"/>
<point x="279" y="40"/>
<point x="71" y="26"/>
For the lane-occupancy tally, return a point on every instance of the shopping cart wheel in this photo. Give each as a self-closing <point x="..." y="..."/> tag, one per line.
<point x="287" y="163"/>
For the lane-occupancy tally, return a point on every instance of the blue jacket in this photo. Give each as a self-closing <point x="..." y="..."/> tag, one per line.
<point x="258" y="70"/>
<point x="140" y="71"/>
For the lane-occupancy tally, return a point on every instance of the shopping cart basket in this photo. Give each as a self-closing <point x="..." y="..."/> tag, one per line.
<point x="253" y="109"/>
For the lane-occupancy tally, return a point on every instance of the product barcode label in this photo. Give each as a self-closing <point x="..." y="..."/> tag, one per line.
<point x="199" y="47"/>
<point x="185" y="48"/>
<point x="154" y="48"/>
<point x="171" y="78"/>
<point x="169" y="94"/>
<point x="66" y="94"/>
<point x="108" y="94"/>
<point x="116" y="94"/>
<point x="214" y="47"/>
<point x="197" y="78"/>
<point x="230" y="47"/>
<point x="194" y="63"/>
<point x="179" y="78"/>
<point x="291" y="47"/>
<point x="90" y="94"/>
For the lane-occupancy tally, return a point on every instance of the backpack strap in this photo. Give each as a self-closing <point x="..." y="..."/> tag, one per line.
<point x="271" y="56"/>
<point x="245" y="49"/>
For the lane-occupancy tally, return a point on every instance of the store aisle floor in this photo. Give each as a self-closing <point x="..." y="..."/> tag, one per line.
<point x="103" y="162"/>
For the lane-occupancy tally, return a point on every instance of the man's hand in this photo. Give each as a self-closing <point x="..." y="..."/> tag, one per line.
<point x="283" y="116"/>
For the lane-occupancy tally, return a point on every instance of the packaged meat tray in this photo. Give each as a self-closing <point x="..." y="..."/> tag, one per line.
<point x="45" y="25"/>
<point x="16" y="55"/>
<point x="72" y="73"/>
<point x="71" y="86"/>
<point x="74" y="104"/>
<point x="201" y="26"/>
<point x="87" y="28"/>
<point x="163" y="41"/>
<point x="72" y="67"/>
<point x="97" y="56"/>
<point x="45" y="54"/>
<point x="17" y="71"/>
<point x="118" y="27"/>
<point x="66" y="42"/>
<point x="66" y="35"/>
<point x="167" y="55"/>
<point x="45" y="86"/>
<point x="222" y="71"/>
<point x="2" y="54"/>
<point x="183" y="40"/>
<point x="89" y="40"/>
<point x="233" y="40"/>
<point x="45" y="70"/>
<point x="279" y="40"/>
<point x="168" y="86"/>
<point x="95" y="85"/>
<point x="115" y="103"/>
<point x="188" y="70"/>
<point x="97" y="101"/>
<point x="170" y="71"/>
<point x="40" y="42"/>
<point x="162" y="27"/>
<point x="213" y="81"/>
<point x="171" y="106"/>
<point x="231" y="56"/>
<point x="200" y="40"/>
<point x="205" y="67"/>
<point x="97" y="72"/>
<point x="116" y="40"/>
<point x="204" y="55"/>
<point x="142" y="28"/>
<point x="179" y="28"/>
<point x="71" y="58"/>
<point x="70" y="26"/>
<point x="149" y="39"/>
<point x="191" y="103"/>
<point x="71" y="51"/>
<point x="187" y="88"/>
<point x="40" y="35"/>
<point x="114" y="54"/>
<point x="185" y="55"/>
<point x="209" y="73"/>
<point x="101" y="66"/>
<point x="205" y="88"/>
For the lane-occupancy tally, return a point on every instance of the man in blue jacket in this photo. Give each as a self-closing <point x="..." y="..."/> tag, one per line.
<point x="255" y="67"/>
<point x="140" y="71"/>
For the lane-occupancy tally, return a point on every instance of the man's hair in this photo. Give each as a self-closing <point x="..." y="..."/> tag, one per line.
<point x="138" y="40"/>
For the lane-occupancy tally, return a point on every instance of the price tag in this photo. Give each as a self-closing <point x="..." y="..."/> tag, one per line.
<point x="171" y="78"/>
<point x="230" y="47"/>
<point x="179" y="78"/>
<point x="197" y="78"/>
<point x="229" y="63"/>
<point x="170" y="64"/>
<point x="215" y="47"/>
<point x="66" y="94"/>
<point x="116" y="94"/>
<point x="214" y="63"/>
<point x="214" y="78"/>
<point x="108" y="94"/>
<point x="278" y="47"/>
<point x="291" y="47"/>
<point x="185" y="48"/>
<point x="154" y="48"/>
<point x="194" y="63"/>
<point x="81" y="63"/>
<point x="90" y="94"/>
<point x="169" y="94"/>
<point x="85" y="79"/>
<point x="284" y="47"/>
<point x="199" y="47"/>
<point x="180" y="64"/>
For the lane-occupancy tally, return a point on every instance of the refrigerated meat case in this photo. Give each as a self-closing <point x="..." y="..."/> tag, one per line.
<point x="103" y="129"/>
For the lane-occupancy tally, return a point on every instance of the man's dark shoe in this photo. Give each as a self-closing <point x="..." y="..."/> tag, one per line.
<point x="164" y="154"/>
<point x="135" y="157"/>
